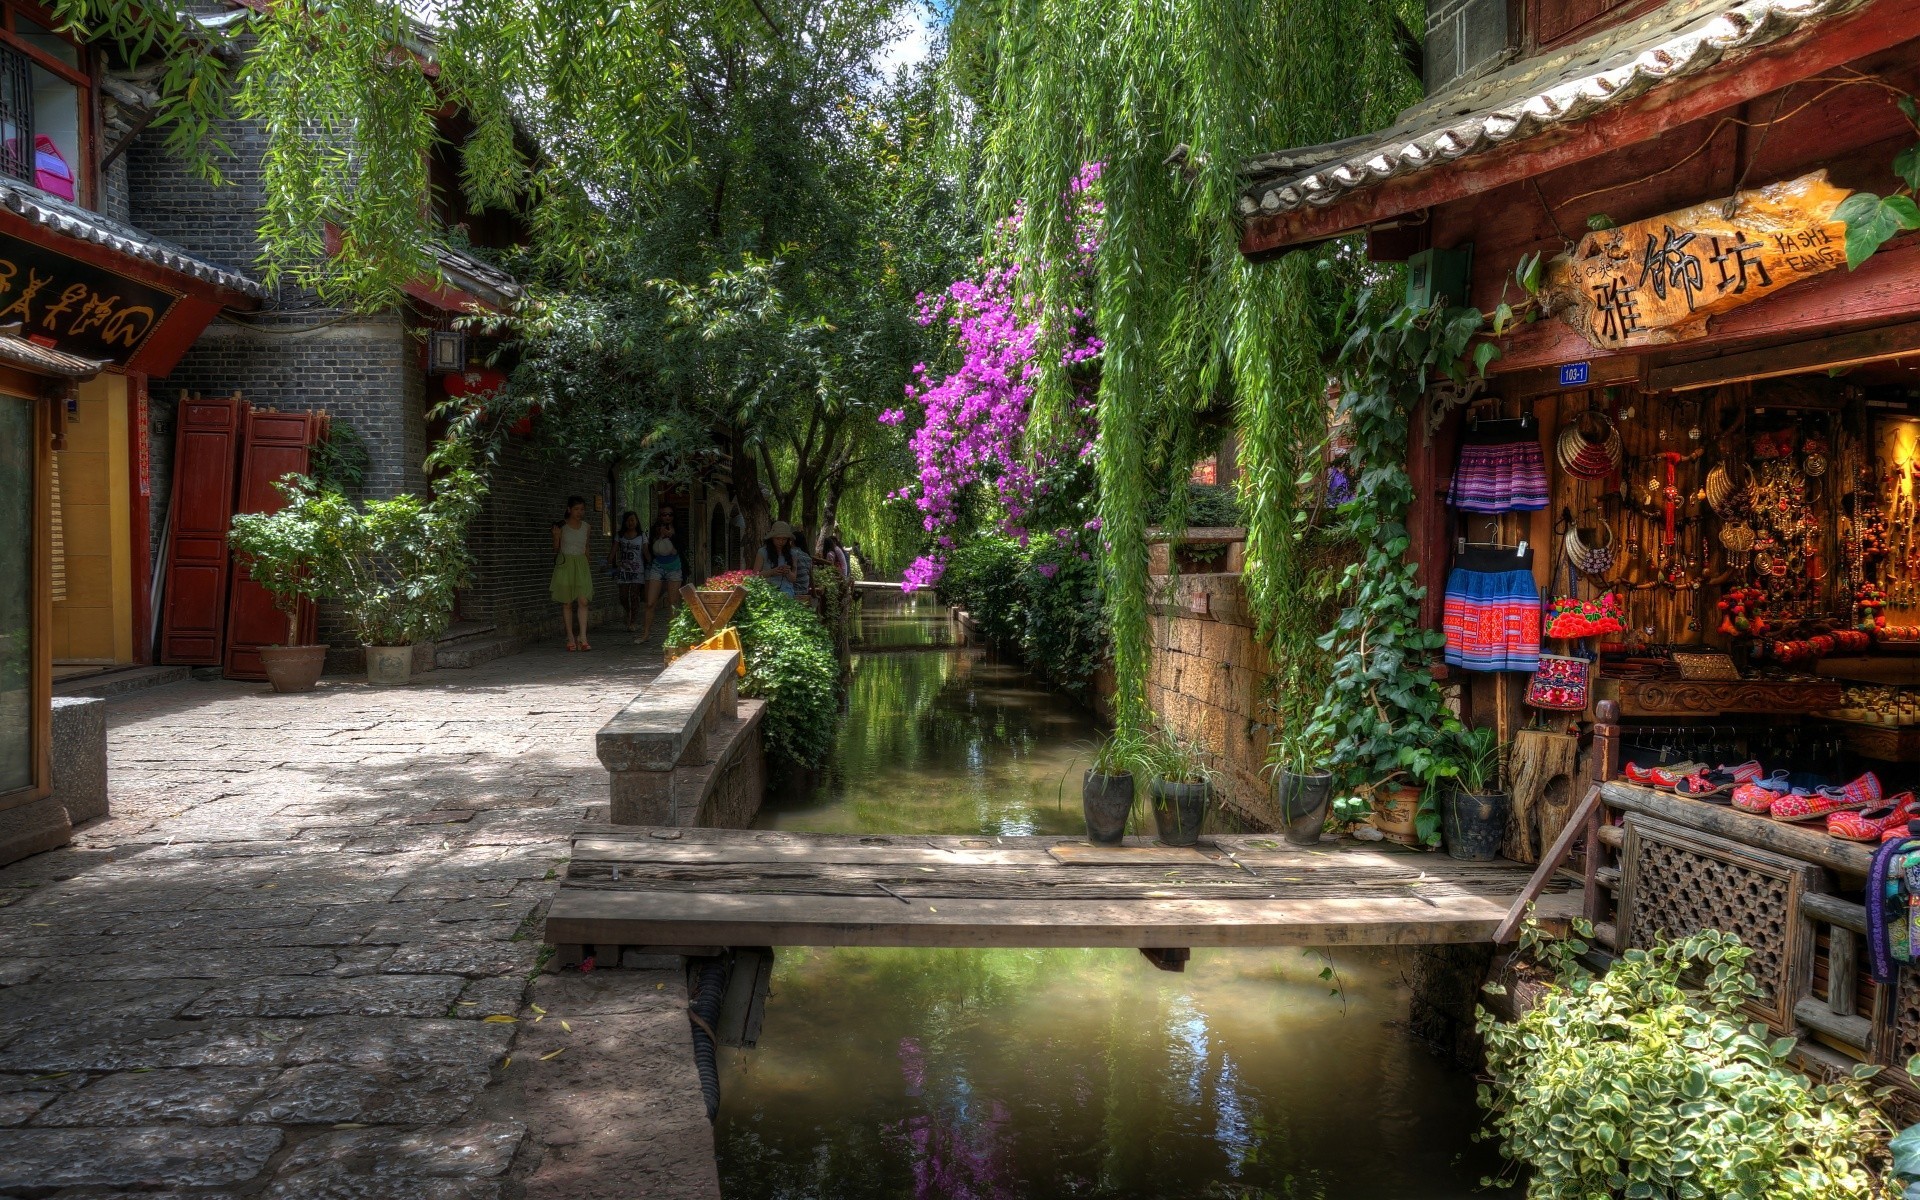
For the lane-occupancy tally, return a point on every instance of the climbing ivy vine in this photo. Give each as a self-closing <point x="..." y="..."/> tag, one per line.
<point x="1383" y="714"/>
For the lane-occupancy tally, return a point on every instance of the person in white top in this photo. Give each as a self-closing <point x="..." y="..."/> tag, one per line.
<point x="572" y="585"/>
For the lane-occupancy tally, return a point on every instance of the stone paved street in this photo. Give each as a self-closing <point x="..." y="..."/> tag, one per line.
<point x="270" y="972"/>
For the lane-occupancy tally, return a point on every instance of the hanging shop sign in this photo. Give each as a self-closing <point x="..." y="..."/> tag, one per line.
<point x="75" y="306"/>
<point x="1659" y="280"/>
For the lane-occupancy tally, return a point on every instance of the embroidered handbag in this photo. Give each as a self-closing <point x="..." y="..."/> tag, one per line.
<point x="1572" y="617"/>
<point x="1560" y="683"/>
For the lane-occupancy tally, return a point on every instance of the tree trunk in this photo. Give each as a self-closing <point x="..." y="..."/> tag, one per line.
<point x="747" y="489"/>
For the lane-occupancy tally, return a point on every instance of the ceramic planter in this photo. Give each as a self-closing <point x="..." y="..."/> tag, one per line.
<point x="293" y="668"/>
<point x="1107" y="800"/>
<point x="1474" y="823"/>
<point x="1394" y="807"/>
<point x="1303" y="805"/>
<point x="389" y="666"/>
<point x="1177" y="810"/>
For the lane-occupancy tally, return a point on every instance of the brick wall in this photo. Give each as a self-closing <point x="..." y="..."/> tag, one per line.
<point x="1205" y="680"/>
<point x="1464" y="38"/>
<point x="512" y="541"/>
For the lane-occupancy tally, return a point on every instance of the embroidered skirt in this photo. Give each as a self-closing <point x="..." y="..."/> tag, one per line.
<point x="1500" y="470"/>
<point x="1492" y="613"/>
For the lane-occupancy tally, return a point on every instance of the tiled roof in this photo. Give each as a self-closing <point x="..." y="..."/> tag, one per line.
<point x="70" y="220"/>
<point x="44" y="360"/>
<point x="479" y="279"/>
<point x="1552" y="89"/>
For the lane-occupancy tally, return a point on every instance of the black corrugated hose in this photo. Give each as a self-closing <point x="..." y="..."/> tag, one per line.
<point x="705" y="1007"/>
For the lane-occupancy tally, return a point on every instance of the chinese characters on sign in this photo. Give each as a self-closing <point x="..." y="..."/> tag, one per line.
<point x="76" y="307"/>
<point x="1658" y="280"/>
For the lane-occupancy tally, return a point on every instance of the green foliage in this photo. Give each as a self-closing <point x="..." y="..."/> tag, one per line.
<point x="280" y="550"/>
<point x="1163" y="754"/>
<point x="1123" y="751"/>
<point x="1633" y="1085"/>
<point x="790" y="665"/>
<point x="1478" y="751"/>
<point x="1056" y="620"/>
<point x="340" y="462"/>
<point x="1173" y="99"/>
<point x="1206" y="507"/>
<point x="1872" y="220"/>
<point x="1384" y="713"/>
<point x="393" y="565"/>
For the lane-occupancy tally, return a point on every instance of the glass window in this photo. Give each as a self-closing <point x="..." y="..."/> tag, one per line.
<point x="56" y="134"/>
<point x="17" y="549"/>
<point x="16" y="114"/>
<point x="46" y="41"/>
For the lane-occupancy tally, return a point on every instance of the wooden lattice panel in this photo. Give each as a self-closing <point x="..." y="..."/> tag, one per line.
<point x="1901" y="1039"/>
<point x="1678" y="882"/>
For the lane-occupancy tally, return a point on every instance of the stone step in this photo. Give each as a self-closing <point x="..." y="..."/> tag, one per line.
<point x="122" y="680"/>
<point x="462" y="653"/>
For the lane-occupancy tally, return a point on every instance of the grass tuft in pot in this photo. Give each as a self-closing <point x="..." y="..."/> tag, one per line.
<point x="1181" y="785"/>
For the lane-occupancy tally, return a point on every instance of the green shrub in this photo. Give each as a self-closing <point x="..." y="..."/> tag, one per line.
<point x="1043" y="601"/>
<point x="1208" y="507"/>
<point x="790" y="665"/>
<point x="1631" y="1085"/>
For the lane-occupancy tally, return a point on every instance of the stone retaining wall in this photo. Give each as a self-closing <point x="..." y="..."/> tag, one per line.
<point x="1206" y="680"/>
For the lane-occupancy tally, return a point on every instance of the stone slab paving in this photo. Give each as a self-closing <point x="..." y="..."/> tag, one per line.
<point x="269" y="973"/>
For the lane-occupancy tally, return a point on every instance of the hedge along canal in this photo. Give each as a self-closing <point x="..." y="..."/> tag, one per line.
<point x="1005" y="1074"/>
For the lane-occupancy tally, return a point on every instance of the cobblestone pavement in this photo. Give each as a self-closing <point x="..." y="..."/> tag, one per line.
<point x="271" y="971"/>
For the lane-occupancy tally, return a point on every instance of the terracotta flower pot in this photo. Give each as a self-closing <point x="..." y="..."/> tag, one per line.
<point x="1393" y="812"/>
<point x="293" y="668"/>
<point x="389" y="666"/>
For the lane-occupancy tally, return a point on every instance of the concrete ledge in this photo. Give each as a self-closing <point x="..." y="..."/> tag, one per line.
<point x="666" y="726"/>
<point x="80" y="756"/>
<point x="465" y="653"/>
<point x="115" y="683"/>
<point x="726" y="792"/>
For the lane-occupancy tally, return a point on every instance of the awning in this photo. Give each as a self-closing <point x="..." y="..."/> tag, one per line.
<point x="86" y="285"/>
<point x="1315" y="192"/>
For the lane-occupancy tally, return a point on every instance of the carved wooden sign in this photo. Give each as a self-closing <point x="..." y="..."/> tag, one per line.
<point x="1658" y="280"/>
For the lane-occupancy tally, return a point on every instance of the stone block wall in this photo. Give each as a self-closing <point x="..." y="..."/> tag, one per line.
<point x="1206" y="680"/>
<point x="1464" y="38"/>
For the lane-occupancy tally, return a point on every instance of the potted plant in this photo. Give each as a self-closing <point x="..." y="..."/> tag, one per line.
<point x="1180" y="785"/>
<point x="280" y="550"/>
<point x="394" y="564"/>
<point x="1302" y="786"/>
<point x="1474" y="809"/>
<point x="1106" y="792"/>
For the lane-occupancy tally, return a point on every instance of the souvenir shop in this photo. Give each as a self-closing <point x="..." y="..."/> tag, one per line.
<point x="1736" y="566"/>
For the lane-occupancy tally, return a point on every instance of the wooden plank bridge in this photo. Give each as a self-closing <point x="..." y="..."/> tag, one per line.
<point x="693" y="889"/>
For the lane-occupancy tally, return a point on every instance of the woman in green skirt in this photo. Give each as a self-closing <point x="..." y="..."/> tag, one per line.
<point x="572" y="587"/>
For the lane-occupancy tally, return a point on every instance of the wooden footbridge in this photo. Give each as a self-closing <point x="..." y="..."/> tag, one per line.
<point x="688" y="890"/>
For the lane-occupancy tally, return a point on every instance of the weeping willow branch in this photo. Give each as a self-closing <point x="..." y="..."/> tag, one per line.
<point x="1171" y="98"/>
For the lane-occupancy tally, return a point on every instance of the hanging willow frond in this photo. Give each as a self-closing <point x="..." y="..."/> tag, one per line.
<point x="1171" y="95"/>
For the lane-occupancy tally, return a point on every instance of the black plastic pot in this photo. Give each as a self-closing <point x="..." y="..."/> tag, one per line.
<point x="1106" y="799"/>
<point x="1475" y="823"/>
<point x="1177" y="810"/>
<point x="1303" y="805"/>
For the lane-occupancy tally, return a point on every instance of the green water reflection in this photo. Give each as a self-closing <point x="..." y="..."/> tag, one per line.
<point x="995" y="1075"/>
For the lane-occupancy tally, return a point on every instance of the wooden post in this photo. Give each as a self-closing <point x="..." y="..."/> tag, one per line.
<point x="1606" y="741"/>
<point x="1606" y="764"/>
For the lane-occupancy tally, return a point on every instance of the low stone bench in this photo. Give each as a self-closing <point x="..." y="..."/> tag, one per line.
<point x="687" y="750"/>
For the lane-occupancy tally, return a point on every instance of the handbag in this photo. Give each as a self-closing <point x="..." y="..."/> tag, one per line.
<point x="1572" y="617"/>
<point x="1559" y="684"/>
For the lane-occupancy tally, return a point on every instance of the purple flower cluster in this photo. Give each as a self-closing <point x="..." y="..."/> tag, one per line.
<point x="974" y="420"/>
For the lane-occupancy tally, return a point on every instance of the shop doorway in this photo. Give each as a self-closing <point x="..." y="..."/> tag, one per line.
<point x="93" y="585"/>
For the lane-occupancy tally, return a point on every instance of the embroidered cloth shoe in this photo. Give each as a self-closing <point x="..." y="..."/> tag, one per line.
<point x="1755" y="798"/>
<point x="1808" y="806"/>
<point x="1715" y="784"/>
<point x="1665" y="778"/>
<point x="1867" y="788"/>
<point x="1872" y="825"/>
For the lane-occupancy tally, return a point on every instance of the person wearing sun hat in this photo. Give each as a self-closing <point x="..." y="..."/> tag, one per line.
<point x="780" y="562"/>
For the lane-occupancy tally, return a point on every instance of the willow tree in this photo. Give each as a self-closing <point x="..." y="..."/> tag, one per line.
<point x="576" y="110"/>
<point x="1172" y="96"/>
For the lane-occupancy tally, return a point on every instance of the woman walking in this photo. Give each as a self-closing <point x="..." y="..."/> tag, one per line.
<point x="572" y="586"/>
<point x="663" y="569"/>
<point x="628" y="558"/>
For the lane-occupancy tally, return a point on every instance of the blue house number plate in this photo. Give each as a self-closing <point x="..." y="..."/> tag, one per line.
<point x="1573" y="374"/>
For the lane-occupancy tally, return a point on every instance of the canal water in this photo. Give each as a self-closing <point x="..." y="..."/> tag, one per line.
<point x="1008" y="1074"/>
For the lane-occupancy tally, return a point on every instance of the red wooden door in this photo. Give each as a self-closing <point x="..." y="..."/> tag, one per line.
<point x="275" y="445"/>
<point x="205" y="446"/>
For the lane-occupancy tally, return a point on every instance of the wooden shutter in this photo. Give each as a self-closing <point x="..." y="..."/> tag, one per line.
<point x="206" y="443"/>
<point x="275" y="445"/>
